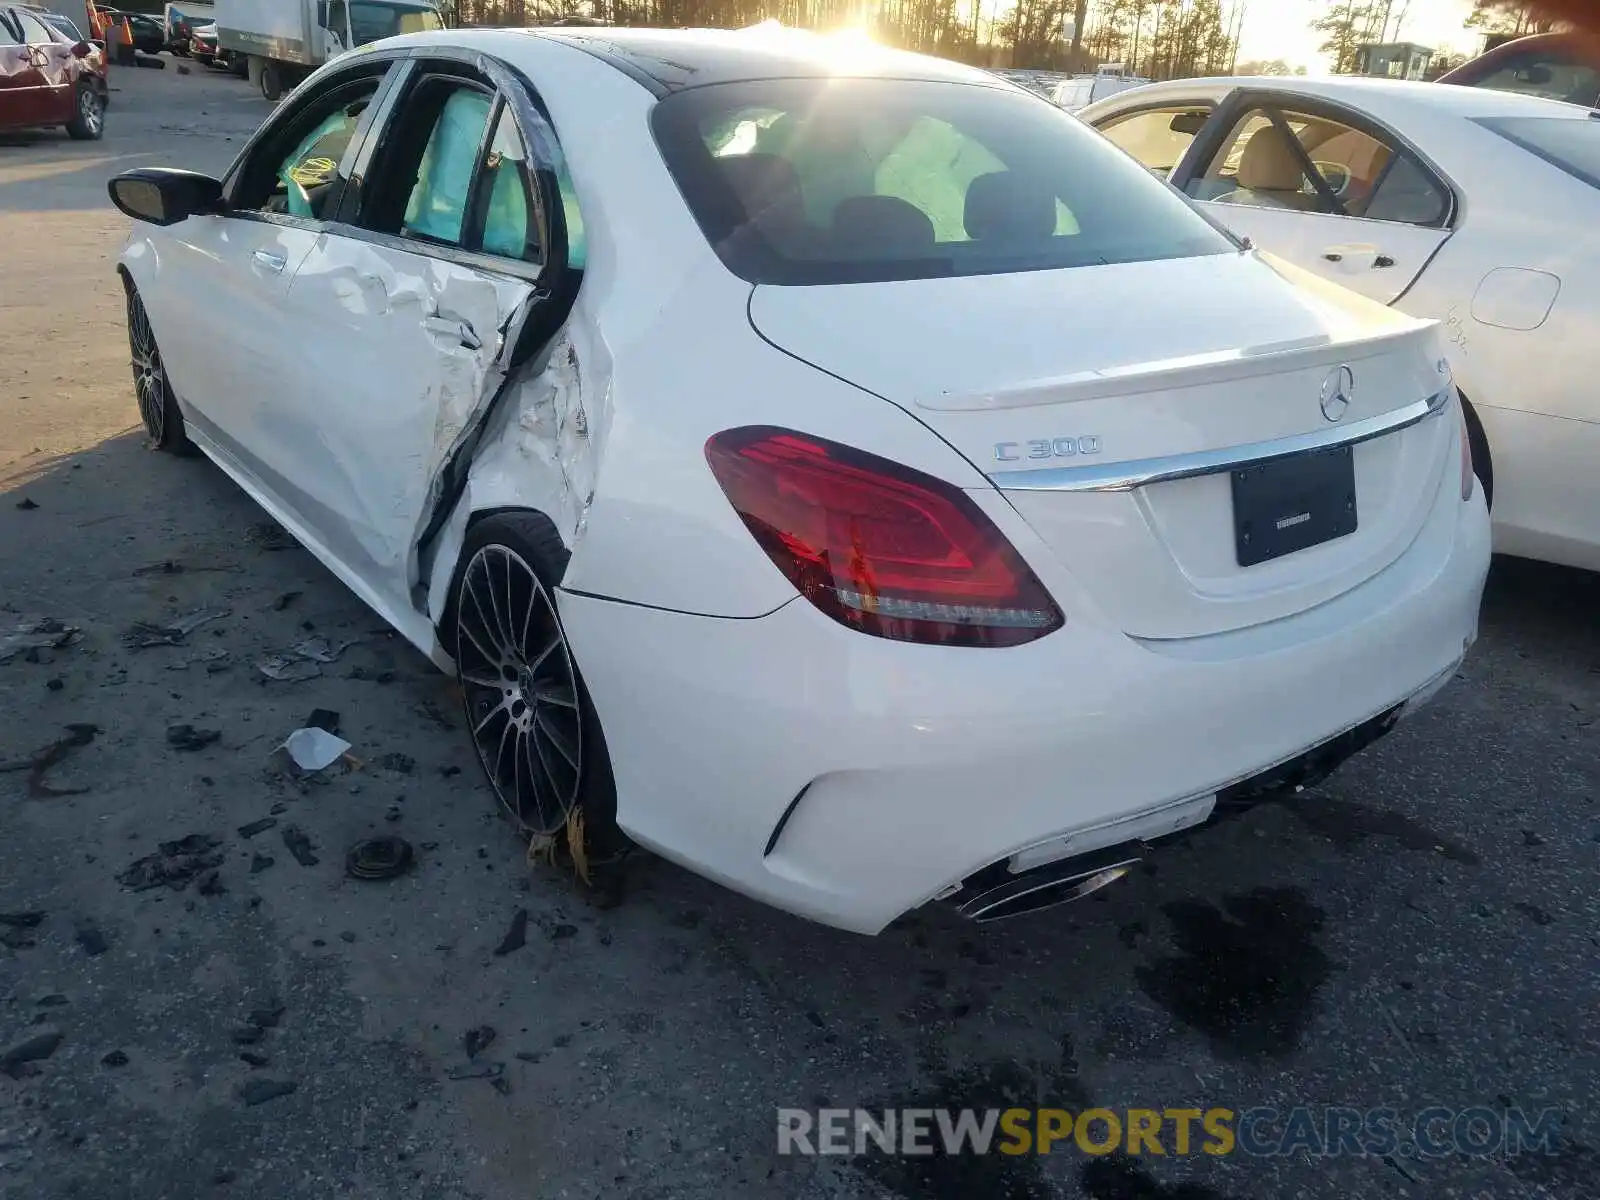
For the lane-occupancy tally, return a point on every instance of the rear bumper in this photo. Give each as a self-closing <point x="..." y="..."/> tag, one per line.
<point x="850" y="779"/>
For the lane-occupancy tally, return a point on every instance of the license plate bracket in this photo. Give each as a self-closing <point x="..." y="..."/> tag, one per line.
<point x="1293" y="503"/>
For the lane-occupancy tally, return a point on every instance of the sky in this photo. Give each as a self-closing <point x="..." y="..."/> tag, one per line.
<point x="1282" y="29"/>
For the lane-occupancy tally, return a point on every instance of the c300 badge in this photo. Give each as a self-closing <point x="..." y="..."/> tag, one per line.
<point x="1038" y="449"/>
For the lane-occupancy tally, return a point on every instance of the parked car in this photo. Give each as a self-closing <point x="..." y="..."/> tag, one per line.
<point x="203" y="44"/>
<point x="1557" y="66"/>
<point x="149" y="36"/>
<point x="866" y="490"/>
<point x="179" y="21"/>
<point x="1465" y="205"/>
<point x="1079" y="91"/>
<point x="48" y="79"/>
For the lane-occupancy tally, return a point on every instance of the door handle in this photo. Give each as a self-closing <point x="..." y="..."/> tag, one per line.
<point x="453" y="327"/>
<point x="268" y="261"/>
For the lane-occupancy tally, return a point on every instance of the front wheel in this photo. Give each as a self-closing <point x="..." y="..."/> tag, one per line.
<point x="88" y="115"/>
<point x="158" y="407"/>
<point x="532" y="722"/>
<point x="271" y="80"/>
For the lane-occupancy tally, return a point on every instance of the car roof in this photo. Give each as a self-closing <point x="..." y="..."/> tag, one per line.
<point x="669" y="60"/>
<point x="1381" y="97"/>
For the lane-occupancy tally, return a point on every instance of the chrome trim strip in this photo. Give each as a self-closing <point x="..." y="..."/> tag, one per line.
<point x="1141" y="472"/>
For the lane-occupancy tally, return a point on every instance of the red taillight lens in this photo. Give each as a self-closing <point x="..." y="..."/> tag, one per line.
<point x="877" y="546"/>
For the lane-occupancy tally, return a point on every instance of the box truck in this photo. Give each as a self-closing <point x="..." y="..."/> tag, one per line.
<point x="282" y="41"/>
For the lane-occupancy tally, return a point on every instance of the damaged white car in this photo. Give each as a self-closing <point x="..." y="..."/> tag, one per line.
<point x="834" y="469"/>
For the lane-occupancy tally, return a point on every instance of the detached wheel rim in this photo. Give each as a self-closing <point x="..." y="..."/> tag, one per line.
<point x="89" y="110"/>
<point x="149" y="378"/>
<point x="521" y="689"/>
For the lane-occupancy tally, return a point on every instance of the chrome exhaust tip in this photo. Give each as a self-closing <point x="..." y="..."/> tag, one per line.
<point x="1042" y="888"/>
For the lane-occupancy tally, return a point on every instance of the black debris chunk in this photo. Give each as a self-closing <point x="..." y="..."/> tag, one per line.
<point x="174" y="865"/>
<point x="500" y="1084"/>
<point x="22" y="920"/>
<point x="278" y="810"/>
<point x="255" y="827"/>
<point x="517" y="936"/>
<point x="223" y="1176"/>
<point x="258" y="1091"/>
<point x="394" y="814"/>
<point x="247" y="1035"/>
<point x="255" y="1058"/>
<point x="485" y="1070"/>
<point x="260" y="863"/>
<point x="91" y="940"/>
<point x="561" y="932"/>
<point x="378" y="858"/>
<point x="187" y="737"/>
<point x="117" y="1058"/>
<point x="165" y="567"/>
<point x="55" y="685"/>
<point x="348" y="937"/>
<point x="16" y="929"/>
<point x="33" y="1048"/>
<point x="323" y="718"/>
<point x="478" y="1039"/>
<point x="449" y="772"/>
<point x="400" y="764"/>
<point x="27" y="505"/>
<point x="298" y="843"/>
<point x="283" y="601"/>
<point x="529" y="1056"/>
<point x="210" y="884"/>
<point x="39" y="763"/>
<point x="267" y="1018"/>
<point x="53" y="1000"/>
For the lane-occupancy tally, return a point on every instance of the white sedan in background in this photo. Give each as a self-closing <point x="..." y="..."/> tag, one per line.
<point x="832" y="468"/>
<point x="1478" y="208"/>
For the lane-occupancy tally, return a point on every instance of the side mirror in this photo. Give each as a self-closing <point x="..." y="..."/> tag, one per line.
<point x="164" y="195"/>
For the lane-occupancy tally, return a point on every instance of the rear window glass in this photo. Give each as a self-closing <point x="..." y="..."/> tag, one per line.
<point x="1573" y="145"/>
<point x="845" y="180"/>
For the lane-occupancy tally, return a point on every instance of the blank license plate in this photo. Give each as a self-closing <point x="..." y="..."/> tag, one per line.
<point x="1292" y="503"/>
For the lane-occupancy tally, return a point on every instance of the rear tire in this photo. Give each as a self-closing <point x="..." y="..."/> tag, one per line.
<point x="271" y="80"/>
<point x="89" y="113"/>
<point x="158" y="407"/>
<point x="530" y="717"/>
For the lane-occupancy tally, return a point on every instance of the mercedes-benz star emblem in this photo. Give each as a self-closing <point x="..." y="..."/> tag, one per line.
<point x="1338" y="389"/>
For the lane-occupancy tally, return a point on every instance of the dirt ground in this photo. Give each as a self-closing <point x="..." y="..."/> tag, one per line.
<point x="1422" y="930"/>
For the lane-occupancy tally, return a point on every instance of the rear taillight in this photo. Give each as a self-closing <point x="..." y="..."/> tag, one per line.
<point x="877" y="546"/>
<point x="1468" y="478"/>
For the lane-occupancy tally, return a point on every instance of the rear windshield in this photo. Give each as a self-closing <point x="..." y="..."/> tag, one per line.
<point x="1571" y="144"/>
<point x="806" y="181"/>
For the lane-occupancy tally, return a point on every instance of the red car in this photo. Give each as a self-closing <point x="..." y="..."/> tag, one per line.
<point x="48" y="79"/>
<point x="1557" y="66"/>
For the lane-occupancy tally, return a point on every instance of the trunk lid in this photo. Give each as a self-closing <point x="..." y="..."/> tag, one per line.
<point x="1069" y="389"/>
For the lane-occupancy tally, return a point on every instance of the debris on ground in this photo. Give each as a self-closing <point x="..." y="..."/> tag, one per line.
<point x="53" y="1000"/>
<point x="517" y="936"/>
<point x="267" y="1018"/>
<point x="487" y="1070"/>
<point x="188" y="738"/>
<point x="320" y="649"/>
<point x="429" y="711"/>
<point x="166" y="566"/>
<point x="247" y="1035"/>
<point x="36" y="1046"/>
<point x="117" y="1058"/>
<point x="27" y="505"/>
<point x="29" y="635"/>
<point x="254" y="1057"/>
<point x="284" y="668"/>
<point x="400" y="764"/>
<point x="478" y="1039"/>
<point x="16" y="929"/>
<point x="92" y="942"/>
<point x="255" y="827"/>
<point x="55" y="685"/>
<point x="313" y="749"/>
<point x="378" y="858"/>
<point x="324" y="719"/>
<point x="298" y="843"/>
<point x="39" y="763"/>
<point x="210" y="884"/>
<point x="258" y="1091"/>
<point x="142" y="634"/>
<point x="215" y="661"/>
<point x="283" y="601"/>
<point x="260" y="863"/>
<point x="175" y="864"/>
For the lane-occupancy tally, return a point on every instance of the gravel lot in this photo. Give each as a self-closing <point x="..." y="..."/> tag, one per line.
<point x="1422" y="930"/>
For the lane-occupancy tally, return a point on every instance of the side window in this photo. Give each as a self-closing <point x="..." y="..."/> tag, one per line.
<point x="8" y="36"/>
<point x="509" y="228"/>
<point x="300" y="172"/>
<point x="1312" y="163"/>
<point x="442" y="184"/>
<point x="1157" y="138"/>
<point x="1544" y="75"/>
<point x="33" y="30"/>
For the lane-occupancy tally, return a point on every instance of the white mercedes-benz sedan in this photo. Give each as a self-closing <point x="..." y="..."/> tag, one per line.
<point x="835" y="469"/>
<point x="1477" y="208"/>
